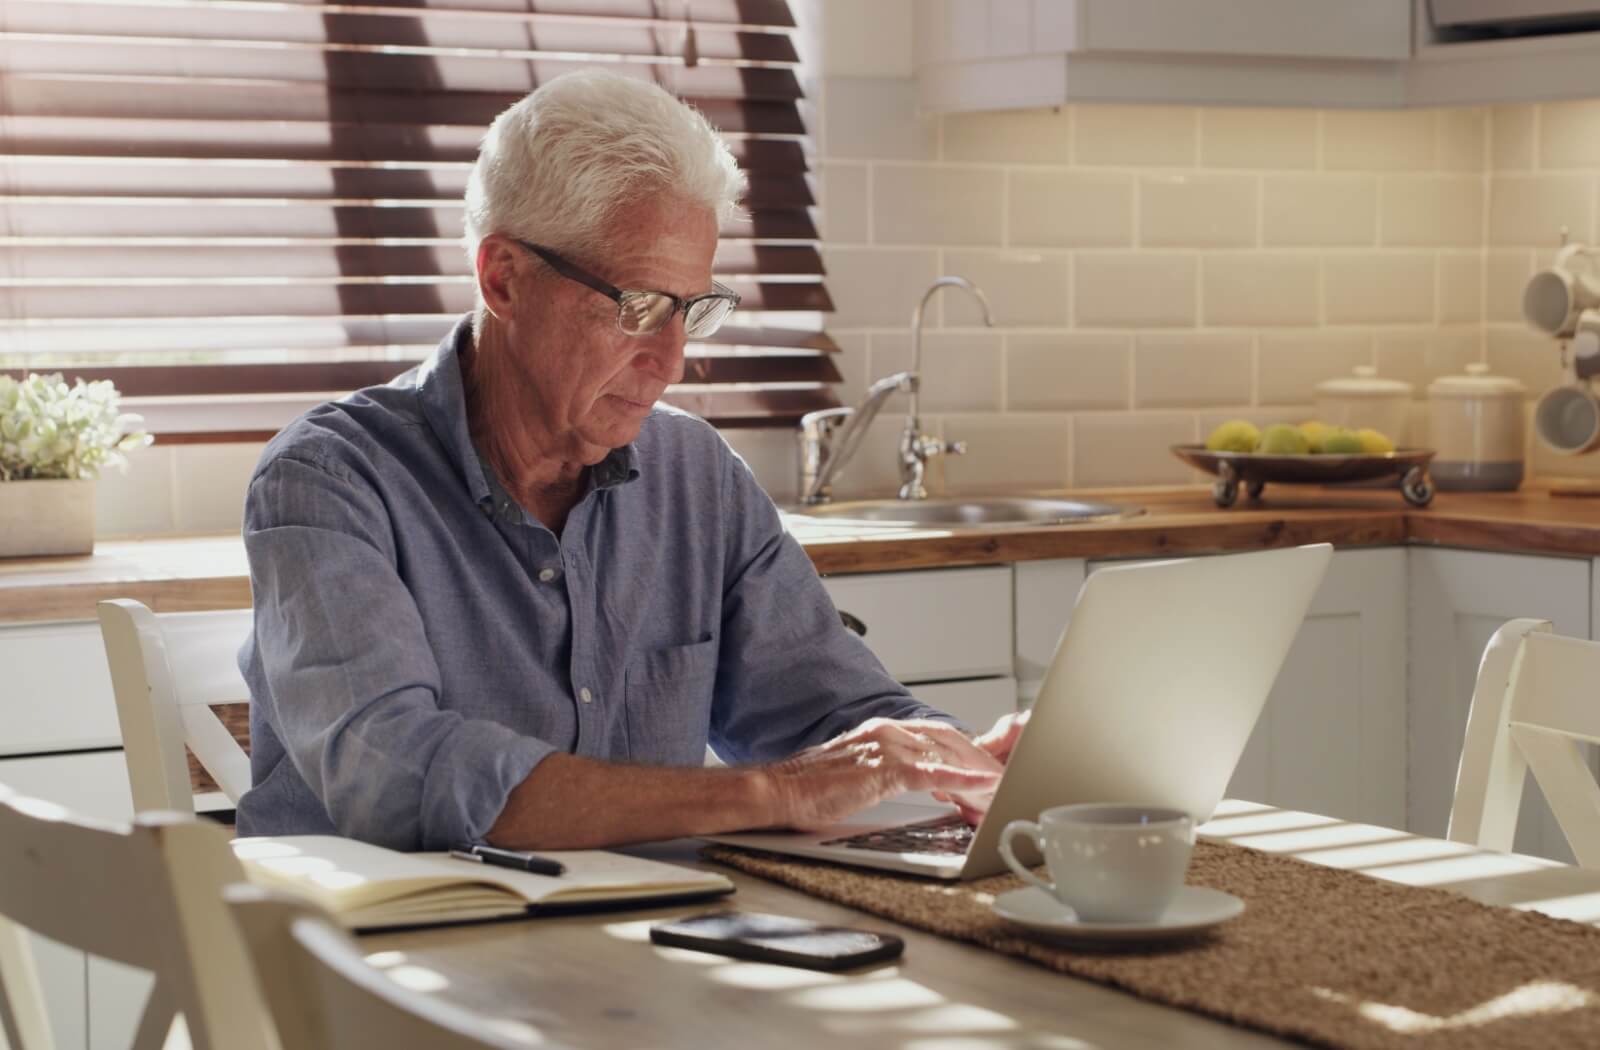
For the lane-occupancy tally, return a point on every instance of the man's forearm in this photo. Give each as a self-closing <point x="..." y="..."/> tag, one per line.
<point x="569" y="802"/>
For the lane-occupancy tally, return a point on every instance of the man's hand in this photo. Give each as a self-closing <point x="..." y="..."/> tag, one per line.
<point x="879" y="759"/>
<point x="998" y="742"/>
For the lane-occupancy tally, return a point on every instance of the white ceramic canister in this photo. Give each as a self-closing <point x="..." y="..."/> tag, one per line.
<point x="1475" y="423"/>
<point x="1364" y="400"/>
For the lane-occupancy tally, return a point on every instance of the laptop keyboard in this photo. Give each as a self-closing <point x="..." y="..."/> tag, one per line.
<point x="944" y="836"/>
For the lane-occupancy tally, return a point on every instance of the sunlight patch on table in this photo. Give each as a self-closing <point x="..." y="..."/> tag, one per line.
<point x="947" y="1019"/>
<point x="384" y="960"/>
<point x="895" y="993"/>
<point x="1379" y="854"/>
<point x="417" y="978"/>
<point x="1459" y="869"/>
<point x="639" y="932"/>
<point x="516" y="1030"/>
<point x="1528" y="1000"/>
<point x="1256" y="823"/>
<point x="1328" y="837"/>
<point x="1031" y="1040"/>
<point x="768" y="977"/>
<point x="1579" y="907"/>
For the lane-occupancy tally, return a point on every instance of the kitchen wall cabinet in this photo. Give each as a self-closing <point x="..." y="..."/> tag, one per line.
<point x="1331" y="738"/>
<point x="1005" y="54"/>
<point x="1458" y="600"/>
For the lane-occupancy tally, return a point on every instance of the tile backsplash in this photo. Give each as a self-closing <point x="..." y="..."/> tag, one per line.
<point x="1153" y="270"/>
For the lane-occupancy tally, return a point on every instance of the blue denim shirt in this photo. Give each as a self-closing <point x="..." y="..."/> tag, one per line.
<point x="421" y="642"/>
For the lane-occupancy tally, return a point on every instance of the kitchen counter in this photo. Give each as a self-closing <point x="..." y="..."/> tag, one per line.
<point x="174" y="574"/>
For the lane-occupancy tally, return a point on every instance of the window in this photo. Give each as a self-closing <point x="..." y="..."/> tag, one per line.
<point x="236" y="209"/>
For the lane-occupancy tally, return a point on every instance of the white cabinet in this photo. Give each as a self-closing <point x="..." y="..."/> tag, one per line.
<point x="1331" y="737"/>
<point x="1458" y="600"/>
<point x="1045" y="593"/>
<point x="945" y="633"/>
<point x="1002" y="54"/>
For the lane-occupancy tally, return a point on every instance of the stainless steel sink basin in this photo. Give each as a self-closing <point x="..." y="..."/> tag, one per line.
<point x="977" y="512"/>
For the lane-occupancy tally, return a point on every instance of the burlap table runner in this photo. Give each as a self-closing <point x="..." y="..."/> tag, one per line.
<point x="1331" y="957"/>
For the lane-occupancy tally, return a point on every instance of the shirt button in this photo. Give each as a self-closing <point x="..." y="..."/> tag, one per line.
<point x="546" y="575"/>
<point x="585" y="695"/>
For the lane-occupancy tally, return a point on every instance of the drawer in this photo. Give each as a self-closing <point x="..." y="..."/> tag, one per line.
<point x="57" y="692"/>
<point x="925" y="626"/>
<point x="978" y="702"/>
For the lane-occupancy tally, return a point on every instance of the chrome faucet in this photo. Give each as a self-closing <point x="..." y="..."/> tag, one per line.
<point x="823" y="454"/>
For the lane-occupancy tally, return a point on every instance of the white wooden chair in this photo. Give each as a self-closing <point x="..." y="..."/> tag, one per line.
<point x="167" y="672"/>
<point x="147" y="895"/>
<point x="324" y="995"/>
<point x="1537" y="696"/>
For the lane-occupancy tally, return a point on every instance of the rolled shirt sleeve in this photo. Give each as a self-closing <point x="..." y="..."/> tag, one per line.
<point x="342" y="659"/>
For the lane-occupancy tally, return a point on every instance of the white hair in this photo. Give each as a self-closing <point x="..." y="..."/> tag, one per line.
<point x="555" y="167"/>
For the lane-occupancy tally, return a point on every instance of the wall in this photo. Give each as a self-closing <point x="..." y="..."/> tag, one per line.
<point x="1154" y="270"/>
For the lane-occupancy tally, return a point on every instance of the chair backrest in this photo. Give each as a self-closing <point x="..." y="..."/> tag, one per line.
<point x="167" y="672"/>
<point x="147" y="895"/>
<point x="324" y="995"/>
<point x="1537" y="696"/>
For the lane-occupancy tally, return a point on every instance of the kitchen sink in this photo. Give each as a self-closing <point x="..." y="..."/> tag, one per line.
<point x="978" y="512"/>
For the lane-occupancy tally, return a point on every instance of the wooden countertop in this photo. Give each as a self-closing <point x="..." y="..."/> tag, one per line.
<point x="209" y="572"/>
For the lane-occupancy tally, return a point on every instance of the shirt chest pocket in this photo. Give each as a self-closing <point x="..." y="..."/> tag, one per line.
<point x="669" y="703"/>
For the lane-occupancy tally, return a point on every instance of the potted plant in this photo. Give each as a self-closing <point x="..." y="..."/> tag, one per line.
<point x="54" y="441"/>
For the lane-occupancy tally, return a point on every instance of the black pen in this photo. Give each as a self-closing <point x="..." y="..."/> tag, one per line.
<point x="509" y="858"/>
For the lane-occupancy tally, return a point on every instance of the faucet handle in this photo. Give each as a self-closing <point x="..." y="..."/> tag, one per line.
<point x="955" y="448"/>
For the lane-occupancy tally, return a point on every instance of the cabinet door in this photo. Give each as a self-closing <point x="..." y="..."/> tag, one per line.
<point x="933" y="625"/>
<point x="58" y="690"/>
<point x="978" y="703"/>
<point x="96" y="785"/>
<point x="1044" y="594"/>
<point x="1458" y="600"/>
<point x="1331" y="738"/>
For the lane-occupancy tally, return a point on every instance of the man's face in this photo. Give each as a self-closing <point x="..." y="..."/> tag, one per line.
<point x="586" y="379"/>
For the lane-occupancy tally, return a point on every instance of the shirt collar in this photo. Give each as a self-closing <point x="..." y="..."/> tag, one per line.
<point x="443" y="398"/>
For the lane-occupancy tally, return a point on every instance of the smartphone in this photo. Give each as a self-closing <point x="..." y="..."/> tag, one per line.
<point x="779" y="939"/>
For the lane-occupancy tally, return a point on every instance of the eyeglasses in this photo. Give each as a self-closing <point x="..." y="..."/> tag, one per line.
<point x="641" y="313"/>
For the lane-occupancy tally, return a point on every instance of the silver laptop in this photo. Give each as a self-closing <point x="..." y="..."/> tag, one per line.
<point x="1150" y="698"/>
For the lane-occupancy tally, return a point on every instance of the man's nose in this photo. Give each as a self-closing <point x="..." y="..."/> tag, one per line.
<point x="663" y="353"/>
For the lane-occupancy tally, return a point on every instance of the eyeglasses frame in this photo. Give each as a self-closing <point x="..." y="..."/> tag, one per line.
<point x="621" y="296"/>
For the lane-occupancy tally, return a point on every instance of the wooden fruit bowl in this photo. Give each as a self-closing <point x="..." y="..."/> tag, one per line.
<point x="1409" y="466"/>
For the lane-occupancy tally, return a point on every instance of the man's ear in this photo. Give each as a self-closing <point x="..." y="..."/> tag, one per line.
<point x="498" y="262"/>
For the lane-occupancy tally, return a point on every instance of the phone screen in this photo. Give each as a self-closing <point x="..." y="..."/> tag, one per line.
<point x="779" y="939"/>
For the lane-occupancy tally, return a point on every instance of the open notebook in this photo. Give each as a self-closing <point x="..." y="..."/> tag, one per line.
<point x="368" y="887"/>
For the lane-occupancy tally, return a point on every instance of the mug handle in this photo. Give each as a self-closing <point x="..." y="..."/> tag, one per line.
<point x="1030" y="829"/>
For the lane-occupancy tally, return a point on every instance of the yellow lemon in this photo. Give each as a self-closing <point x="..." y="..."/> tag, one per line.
<point x="1374" y="442"/>
<point x="1283" y="439"/>
<point x="1236" y="435"/>
<point x="1315" y="432"/>
<point x="1341" y="442"/>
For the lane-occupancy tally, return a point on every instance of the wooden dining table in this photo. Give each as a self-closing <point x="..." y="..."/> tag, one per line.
<point x="595" y="980"/>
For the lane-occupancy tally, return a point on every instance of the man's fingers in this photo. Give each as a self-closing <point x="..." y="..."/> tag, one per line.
<point x="941" y="776"/>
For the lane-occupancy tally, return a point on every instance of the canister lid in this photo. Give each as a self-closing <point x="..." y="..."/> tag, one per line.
<point x="1476" y="383"/>
<point x="1365" y="383"/>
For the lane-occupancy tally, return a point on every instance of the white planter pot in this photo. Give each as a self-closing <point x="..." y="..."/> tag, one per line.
<point x="46" y="517"/>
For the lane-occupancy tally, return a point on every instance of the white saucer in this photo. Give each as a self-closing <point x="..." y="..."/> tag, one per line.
<point x="1194" y="910"/>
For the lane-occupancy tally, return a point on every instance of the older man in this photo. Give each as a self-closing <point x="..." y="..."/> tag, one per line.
<point x="508" y="597"/>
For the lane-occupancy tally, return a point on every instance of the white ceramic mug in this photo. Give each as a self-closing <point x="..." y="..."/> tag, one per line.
<point x="1567" y="419"/>
<point x="1553" y="299"/>
<point x="1108" y="863"/>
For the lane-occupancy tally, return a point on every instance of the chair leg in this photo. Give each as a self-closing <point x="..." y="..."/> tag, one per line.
<point x="156" y="1023"/>
<point x="22" y="1016"/>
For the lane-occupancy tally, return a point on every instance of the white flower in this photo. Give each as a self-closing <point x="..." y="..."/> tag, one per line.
<point x="51" y="430"/>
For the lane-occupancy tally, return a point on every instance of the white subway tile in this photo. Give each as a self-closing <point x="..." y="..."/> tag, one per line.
<point x="1025" y="288"/>
<point x="851" y="360"/>
<point x="1461" y="286"/>
<point x="1511" y="137"/>
<point x="1319" y="210"/>
<point x="1201" y="211"/>
<point x="1432" y="210"/>
<point x="1531" y="209"/>
<point x="1135" y="135"/>
<point x="874" y="469"/>
<point x="1258" y="138"/>
<point x="137" y="501"/>
<point x="1061" y="371"/>
<point x="773" y="457"/>
<point x="1463" y="136"/>
<point x="1130" y="449"/>
<point x="1292" y="364"/>
<point x="1506" y="274"/>
<point x="877" y="286"/>
<point x="843" y="214"/>
<point x="1191" y="369"/>
<point x="1069" y="209"/>
<point x="1378" y="140"/>
<point x="1008" y="452"/>
<point x="1567" y="134"/>
<point x="1134" y="290"/>
<point x="1522" y="353"/>
<point x="1378" y="288"/>
<point x="876" y="119"/>
<point x="961" y="371"/>
<point x="211" y="481"/>
<point x="1021" y="136"/>
<point x="936" y="205"/>
<point x="1259" y="288"/>
<point x="1419" y="358"/>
